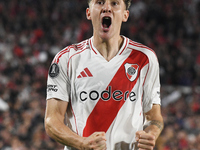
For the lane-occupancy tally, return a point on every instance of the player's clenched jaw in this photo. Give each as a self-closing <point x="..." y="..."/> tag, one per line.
<point x="107" y="17"/>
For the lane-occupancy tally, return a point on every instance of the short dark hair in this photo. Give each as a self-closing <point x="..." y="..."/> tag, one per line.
<point x="127" y="3"/>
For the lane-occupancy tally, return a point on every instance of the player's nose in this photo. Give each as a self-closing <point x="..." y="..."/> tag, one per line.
<point x="106" y="7"/>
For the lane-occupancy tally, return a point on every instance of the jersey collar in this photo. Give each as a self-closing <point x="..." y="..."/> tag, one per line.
<point x="122" y="49"/>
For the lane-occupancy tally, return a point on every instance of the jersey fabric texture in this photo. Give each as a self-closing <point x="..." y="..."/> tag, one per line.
<point x="109" y="96"/>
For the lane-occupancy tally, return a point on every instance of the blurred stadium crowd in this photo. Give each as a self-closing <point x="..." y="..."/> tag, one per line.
<point x="33" y="31"/>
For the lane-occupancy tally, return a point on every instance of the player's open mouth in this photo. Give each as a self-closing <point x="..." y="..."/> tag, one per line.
<point x="106" y="22"/>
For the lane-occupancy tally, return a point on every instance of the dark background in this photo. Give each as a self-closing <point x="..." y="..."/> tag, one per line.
<point x="33" y="31"/>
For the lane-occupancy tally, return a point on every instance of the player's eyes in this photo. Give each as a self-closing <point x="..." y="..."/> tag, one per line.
<point x="100" y="2"/>
<point x="114" y="3"/>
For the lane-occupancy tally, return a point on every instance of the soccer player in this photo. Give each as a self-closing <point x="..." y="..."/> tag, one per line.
<point x="100" y="91"/>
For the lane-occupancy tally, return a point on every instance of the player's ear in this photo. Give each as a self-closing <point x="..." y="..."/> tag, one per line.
<point x="126" y="15"/>
<point x="88" y="14"/>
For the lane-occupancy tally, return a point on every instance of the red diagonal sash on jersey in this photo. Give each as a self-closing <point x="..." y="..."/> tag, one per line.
<point x="105" y="112"/>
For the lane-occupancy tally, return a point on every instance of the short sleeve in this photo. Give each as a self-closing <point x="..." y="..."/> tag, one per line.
<point x="58" y="85"/>
<point x="152" y="84"/>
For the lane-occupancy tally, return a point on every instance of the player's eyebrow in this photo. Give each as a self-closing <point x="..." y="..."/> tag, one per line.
<point x="99" y="1"/>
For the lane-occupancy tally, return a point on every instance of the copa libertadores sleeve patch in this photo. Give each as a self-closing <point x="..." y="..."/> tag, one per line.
<point x="54" y="70"/>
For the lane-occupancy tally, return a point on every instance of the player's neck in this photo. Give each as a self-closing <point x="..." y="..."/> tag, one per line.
<point x="108" y="48"/>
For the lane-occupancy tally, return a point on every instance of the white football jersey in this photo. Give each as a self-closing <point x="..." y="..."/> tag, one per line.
<point x="109" y="96"/>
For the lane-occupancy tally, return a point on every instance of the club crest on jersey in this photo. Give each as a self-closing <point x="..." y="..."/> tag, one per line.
<point x="53" y="70"/>
<point x="131" y="71"/>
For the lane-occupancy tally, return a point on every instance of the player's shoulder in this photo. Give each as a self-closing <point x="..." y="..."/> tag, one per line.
<point x="133" y="45"/>
<point x="71" y="50"/>
<point x="75" y="48"/>
<point x="139" y="46"/>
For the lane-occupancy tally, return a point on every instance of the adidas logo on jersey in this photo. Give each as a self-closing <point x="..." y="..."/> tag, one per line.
<point x="85" y="73"/>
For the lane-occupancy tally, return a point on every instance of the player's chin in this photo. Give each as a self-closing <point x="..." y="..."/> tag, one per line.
<point x="105" y="36"/>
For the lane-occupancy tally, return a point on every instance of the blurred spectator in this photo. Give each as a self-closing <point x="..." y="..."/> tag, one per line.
<point x="33" y="31"/>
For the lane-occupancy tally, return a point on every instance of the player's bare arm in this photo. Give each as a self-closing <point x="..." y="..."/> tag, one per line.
<point x="147" y="138"/>
<point x="56" y="129"/>
<point x="154" y="121"/>
<point x="157" y="123"/>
